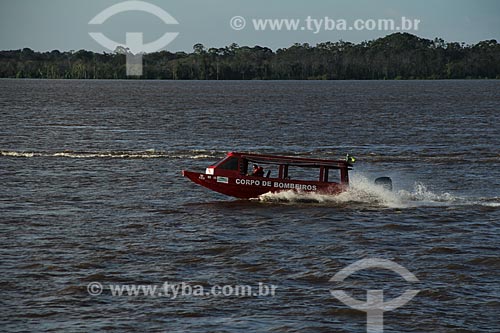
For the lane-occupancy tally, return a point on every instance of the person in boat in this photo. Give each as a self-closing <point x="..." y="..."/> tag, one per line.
<point x="257" y="171"/>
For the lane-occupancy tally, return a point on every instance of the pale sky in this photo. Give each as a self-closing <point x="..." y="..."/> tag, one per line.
<point x="45" y="25"/>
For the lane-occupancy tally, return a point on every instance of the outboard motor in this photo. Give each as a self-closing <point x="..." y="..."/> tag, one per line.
<point x="385" y="182"/>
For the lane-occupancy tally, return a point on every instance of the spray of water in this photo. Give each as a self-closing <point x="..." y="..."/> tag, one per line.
<point x="363" y="192"/>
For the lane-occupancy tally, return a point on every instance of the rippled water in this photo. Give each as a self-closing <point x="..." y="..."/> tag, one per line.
<point x="92" y="192"/>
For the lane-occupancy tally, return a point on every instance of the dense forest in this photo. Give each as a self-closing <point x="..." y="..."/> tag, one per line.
<point x="396" y="56"/>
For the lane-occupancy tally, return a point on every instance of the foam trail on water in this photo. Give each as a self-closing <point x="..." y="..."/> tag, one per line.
<point x="125" y="154"/>
<point x="363" y="192"/>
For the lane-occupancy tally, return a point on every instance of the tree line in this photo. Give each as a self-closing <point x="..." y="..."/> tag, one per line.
<point x="396" y="56"/>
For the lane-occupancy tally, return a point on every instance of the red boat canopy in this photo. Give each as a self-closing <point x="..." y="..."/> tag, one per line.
<point x="293" y="161"/>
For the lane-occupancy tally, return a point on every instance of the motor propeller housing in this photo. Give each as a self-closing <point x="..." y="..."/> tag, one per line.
<point x="385" y="182"/>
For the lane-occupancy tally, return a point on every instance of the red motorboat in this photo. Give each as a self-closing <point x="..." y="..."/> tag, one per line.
<point x="232" y="175"/>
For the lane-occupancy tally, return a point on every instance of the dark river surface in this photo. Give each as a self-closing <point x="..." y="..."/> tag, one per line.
<point x="92" y="192"/>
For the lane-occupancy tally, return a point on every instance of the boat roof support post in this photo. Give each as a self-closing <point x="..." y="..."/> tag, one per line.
<point x="344" y="176"/>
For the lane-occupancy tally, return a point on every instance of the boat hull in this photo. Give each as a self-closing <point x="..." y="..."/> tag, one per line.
<point x="247" y="187"/>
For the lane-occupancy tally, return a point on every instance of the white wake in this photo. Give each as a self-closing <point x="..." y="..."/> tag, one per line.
<point x="363" y="192"/>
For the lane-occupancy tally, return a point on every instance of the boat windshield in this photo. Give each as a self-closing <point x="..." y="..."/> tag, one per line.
<point x="230" y="163"/>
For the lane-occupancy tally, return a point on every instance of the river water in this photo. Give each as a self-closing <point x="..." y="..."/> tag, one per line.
<point x="92" y="192"/>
